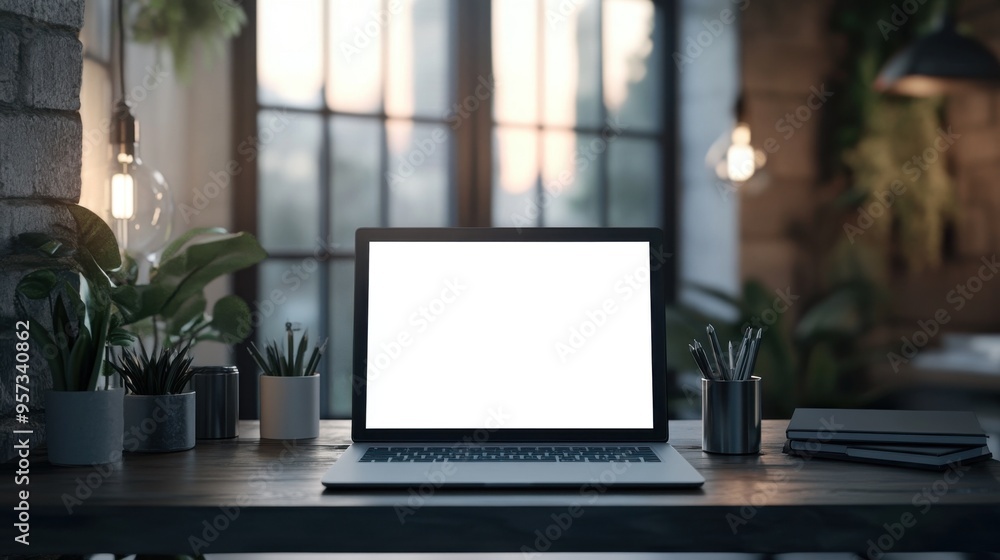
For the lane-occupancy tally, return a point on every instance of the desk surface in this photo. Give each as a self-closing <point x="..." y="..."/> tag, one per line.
<point x="251" y="496"/>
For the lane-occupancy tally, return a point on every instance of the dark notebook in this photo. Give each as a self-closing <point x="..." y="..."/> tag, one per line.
<point x="922" y="427"/>
<point x="926" y="456"/>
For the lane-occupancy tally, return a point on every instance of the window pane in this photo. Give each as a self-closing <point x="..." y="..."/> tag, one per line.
<point x="289" y="291"/>
<point x="289" y="53"/>
<point x="635" y="182"/>
<point x="357" y="145"/>
<point x="355" y="57"/>
<point x="419" y="59"/>
<point x="571" y="179"/>
<point x="515" y="60"/>
<point x="572" y="63"/>
<point x="515" y="175"/>
<point x="418" y="174"/>
<point x="632" y="63"/>
<point x="341" y="347"/>
<point x="288" y="201"/>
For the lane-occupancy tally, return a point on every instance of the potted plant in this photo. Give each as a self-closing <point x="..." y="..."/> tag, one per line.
<point x="289" y="388"/>
<point x="159" y="413"/>
<point x="69" y="303"/>
<point x="172" y="307"/>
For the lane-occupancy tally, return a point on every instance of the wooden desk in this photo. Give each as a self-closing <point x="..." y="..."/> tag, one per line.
<point x="768" y="503"/>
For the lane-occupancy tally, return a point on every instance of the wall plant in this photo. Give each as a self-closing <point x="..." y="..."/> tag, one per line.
<point x="879" y="140"/>
<point x="179" y="25"/>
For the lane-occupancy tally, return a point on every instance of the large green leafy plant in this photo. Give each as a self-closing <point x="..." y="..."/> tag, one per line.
<point x="816" y="361"/>
<point x="73" y="293"/>
<point x="172" y="306"/>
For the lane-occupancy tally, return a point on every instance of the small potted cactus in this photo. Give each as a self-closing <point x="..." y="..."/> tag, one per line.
<point x="159" y="412"/>
<point x="289" y="387"/>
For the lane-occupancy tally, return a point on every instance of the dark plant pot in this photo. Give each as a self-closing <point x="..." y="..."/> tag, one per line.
<point x="159" y="423"/>
<point x="289" y="407"/>
<point x="84" y="427"/>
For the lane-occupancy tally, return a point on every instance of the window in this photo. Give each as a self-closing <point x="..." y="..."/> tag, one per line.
<point x="436" y="113"/>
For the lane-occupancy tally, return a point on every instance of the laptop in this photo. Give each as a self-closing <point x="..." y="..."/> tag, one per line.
<point x="494" y="357"/>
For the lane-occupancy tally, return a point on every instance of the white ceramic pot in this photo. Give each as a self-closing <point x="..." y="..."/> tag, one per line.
<point x="159" y="423"/>
<point x="289" y="407"/>
<point x="84" y="427"/>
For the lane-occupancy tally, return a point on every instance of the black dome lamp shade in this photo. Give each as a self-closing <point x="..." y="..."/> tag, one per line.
<point x="939" y="63"/>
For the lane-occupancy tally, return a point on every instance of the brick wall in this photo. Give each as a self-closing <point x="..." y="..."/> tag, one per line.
<point x="40" y="151"/>
<point x="786" y="60"/>
<point x="787" y="49"/>
<point x="975" y="166"/>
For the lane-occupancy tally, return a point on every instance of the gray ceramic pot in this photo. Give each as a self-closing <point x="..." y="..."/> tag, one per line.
<point x="289" y="407"/>
<point x="84" y="427"/>
<point x="159" y="423"/>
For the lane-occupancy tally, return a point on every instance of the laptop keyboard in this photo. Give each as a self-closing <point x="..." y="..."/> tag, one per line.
<point x="510" y="454"/>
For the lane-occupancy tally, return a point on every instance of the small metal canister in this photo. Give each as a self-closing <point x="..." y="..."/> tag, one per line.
<point x="217" y="402"/>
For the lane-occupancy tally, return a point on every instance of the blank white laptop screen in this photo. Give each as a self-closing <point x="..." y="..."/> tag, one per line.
<point x="533" y="335"/>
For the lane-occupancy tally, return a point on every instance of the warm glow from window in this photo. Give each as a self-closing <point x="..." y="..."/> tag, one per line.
<point x="627" y="44"/>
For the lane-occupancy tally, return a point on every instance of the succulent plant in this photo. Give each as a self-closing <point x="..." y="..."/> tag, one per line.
<point x="165" y="372"/>
<point x="288" y="362"/>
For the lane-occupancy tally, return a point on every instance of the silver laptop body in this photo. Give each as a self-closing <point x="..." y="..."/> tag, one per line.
<point x="494" y="357"/>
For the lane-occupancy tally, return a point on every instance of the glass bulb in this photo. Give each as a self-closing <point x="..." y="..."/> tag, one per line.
<point x="732" y="158"/>
<point x="122" y="196"/>
<point x="142" y="208"/>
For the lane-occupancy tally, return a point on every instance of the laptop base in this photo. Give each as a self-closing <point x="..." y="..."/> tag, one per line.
<point x="672" y="471"/>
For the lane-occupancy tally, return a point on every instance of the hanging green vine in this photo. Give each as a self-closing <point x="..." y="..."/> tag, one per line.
<point x="898" y="189"/>
<point x="181" y="24"/>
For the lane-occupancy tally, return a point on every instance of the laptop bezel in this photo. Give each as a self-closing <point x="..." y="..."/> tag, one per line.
<point x="658" y="261"/>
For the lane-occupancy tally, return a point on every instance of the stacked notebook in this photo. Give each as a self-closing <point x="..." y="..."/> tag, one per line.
<point x="907" y="438"/>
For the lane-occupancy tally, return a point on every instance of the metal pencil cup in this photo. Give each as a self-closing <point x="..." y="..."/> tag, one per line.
<point x="730" y="416"/>
<point x="217" y="402"/>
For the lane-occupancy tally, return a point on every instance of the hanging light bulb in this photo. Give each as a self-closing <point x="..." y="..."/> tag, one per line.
<point x="734" y="159"/>
<point x="141" y="207"/>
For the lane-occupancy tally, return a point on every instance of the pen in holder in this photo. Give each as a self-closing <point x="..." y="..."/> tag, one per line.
<point x="730" y="393"/>
<point x="730" y="416"/>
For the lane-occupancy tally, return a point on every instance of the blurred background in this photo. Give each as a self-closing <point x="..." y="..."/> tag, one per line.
<point x="826" y="170"/>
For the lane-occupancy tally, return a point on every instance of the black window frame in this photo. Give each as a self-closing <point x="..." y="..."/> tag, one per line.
<point x="471" y="156"/>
